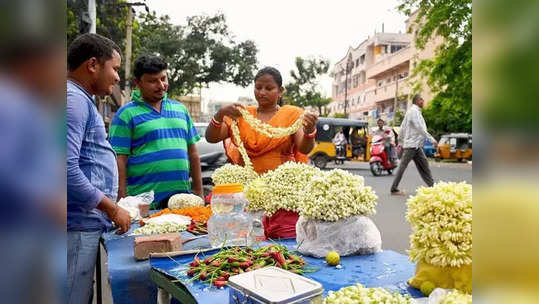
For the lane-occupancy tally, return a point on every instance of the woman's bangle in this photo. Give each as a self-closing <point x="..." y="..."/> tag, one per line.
<point x="312" y="135"/>
<point x="215" y="123"/>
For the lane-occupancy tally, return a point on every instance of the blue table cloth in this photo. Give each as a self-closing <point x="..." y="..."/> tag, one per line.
<point x="130" y="279"/>
<point x="386" y="269"/>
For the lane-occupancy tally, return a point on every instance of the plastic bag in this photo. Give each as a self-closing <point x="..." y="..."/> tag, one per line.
<point x="131" y="203"/>
<point x="459" y="278"/>
<point x="354" y="235"/>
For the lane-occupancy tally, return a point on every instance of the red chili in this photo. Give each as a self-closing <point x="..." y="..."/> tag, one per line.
<point x="278" y="256"/>
<point x="207" y="260"/>
<point x="232" y="260"/>
<point x="191" y="272"/>
<point x="219" y="283"/>
<point x="244" y="265"/>
<point x="225" y="275"/>
<point x="203" y="276"/>
<point x="215" y="263"/>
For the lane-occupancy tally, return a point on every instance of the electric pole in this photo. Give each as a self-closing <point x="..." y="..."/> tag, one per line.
<point x="93" y="15"/>
<point x="128" y="44"/>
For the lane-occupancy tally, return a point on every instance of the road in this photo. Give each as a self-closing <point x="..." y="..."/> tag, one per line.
<point x="391" y="209"/>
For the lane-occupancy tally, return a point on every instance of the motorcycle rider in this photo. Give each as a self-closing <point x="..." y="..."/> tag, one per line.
<point x="389" y="139"/>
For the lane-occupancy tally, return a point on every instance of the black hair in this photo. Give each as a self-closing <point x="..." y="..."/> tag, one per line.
<point x="90" y="45"/>
<point x="380" y="119"/>
<point x="416" y="98"/>
<point x="148" y="64"/>
<point x="273" y="72"/>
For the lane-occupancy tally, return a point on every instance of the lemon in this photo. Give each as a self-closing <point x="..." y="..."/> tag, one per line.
<point x="426" y="288"/>
<point x="333" y="258"/>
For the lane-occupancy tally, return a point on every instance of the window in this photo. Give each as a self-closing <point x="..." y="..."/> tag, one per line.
<point x="396" y="48"/>
<point x="355" y="81"/>
<point x="362" y="59"/>
<point x="388" y="80"/>
<point x="357" y="62"/>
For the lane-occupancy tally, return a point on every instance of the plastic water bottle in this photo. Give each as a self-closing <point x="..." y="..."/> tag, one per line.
<point x="229" y="224"/>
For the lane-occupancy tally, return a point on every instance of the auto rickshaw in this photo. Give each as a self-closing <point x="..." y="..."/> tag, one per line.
<point x="356" y="134"/>
<point x="454" y="146"/>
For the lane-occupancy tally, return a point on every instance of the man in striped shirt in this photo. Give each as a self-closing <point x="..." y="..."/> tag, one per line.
<point x="155" y="139"/>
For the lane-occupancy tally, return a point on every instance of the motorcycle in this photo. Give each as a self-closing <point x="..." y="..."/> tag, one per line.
<point x="379" y="160"/>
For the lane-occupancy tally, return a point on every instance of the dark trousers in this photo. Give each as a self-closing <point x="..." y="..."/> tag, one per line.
<point x="421" y="163"/>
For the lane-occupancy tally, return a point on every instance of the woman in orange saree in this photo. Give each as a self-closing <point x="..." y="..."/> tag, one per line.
<point x="267" y="153"/>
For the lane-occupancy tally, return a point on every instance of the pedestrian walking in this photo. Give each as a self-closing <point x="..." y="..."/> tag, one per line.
<point x="412" y="136"/>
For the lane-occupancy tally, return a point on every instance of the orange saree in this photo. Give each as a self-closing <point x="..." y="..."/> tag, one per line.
<point x="267" y="154"/>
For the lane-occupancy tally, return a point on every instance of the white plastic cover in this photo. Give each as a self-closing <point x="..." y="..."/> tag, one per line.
<point x="351" y="236"/>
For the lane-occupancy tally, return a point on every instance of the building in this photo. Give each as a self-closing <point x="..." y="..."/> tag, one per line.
<point x="215" y="105"/>
<point x="192" y="103"/>
<point x="374" y="78"/>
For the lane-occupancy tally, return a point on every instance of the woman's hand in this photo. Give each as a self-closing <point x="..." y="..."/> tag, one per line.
<point x="309" y="122"/>
<point x="231" y="111"/>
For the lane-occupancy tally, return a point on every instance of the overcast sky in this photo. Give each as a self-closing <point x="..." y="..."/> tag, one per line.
<point x="283" y="30"/>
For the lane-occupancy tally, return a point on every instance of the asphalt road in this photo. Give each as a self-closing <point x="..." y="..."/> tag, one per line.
<point x="391" y="209"/>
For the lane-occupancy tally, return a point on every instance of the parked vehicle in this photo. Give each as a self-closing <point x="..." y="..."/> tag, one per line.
<point x="455" y="146"/>
<point x="379" y="161"/>
<point x="210" y="154"/>
<point x="324" y="150"/>
<point x="429" y="148"/>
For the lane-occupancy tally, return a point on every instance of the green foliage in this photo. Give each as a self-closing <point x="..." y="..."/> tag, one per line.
<point x="397" y="119"/>
<point x="199" y="53"/>
<point x="449" y="73"/>
<point x="303" y="91"/>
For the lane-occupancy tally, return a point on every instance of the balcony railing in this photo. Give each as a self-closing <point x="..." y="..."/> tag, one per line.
<point x="387" y="91"/>
<point x="390" y="61"/>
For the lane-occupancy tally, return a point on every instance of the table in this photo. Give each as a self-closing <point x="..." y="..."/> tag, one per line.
<point x="134" y="281"/>
<point x="130" y="279"/>
<point x="386" y="269"/>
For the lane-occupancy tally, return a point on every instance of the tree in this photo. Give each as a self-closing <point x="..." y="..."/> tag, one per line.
<point x="199" y="53"/>
<point x="304" y="91"/>
<point x="449" y="73"/>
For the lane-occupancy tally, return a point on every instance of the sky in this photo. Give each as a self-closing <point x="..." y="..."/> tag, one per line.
<point x="284" y="30"/>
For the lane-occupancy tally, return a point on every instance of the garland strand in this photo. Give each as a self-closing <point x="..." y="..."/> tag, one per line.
<point x="261" y="127"/>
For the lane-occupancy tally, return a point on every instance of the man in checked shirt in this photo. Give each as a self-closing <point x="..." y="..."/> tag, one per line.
<point x="413" y="133"/>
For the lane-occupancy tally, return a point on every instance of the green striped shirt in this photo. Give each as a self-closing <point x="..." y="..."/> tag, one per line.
<point x="156" y="145"/>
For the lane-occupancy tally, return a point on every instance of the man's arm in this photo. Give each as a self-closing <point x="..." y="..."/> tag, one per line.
<point x="78" y="186"/>
<point x="121" y="159"/>
<point x="421" y="127"/>
<point x="195" y="171"/>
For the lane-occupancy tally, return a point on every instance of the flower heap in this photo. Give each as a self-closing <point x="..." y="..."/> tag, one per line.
<point x="441" y="220"/>
<point x="456" y="297"/>
<point x="182" y="200"/>
<point x="280" y="188"/>
<point x="335" y="195"/>
<point x="360" y="294"/>
<point x="233" y="174"/>
<point x="228" y="173"/>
